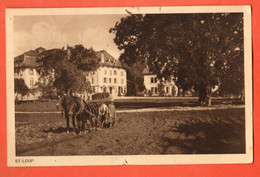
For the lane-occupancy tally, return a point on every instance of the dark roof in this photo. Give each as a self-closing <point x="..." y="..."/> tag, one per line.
<point x="28" y="59"/>
<point x="40" y="49"/>
<point x="109" y="60"/>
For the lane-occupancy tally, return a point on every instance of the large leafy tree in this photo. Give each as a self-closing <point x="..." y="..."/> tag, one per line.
<point x="66" y="69"/>
<point x="201" y="50"/>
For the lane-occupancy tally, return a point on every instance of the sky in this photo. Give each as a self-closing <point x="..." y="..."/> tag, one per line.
<point x="49" y="31"/>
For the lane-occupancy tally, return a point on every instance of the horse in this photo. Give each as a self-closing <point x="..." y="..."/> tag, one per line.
<point x="76" y="108"/>
<point x="90" y="114"/>
<point x="72" y="107"/>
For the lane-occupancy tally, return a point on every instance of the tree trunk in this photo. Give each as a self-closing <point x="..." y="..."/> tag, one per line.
<point x="16" y="98"/>
<point x="202" y="94"/>
<point x="209" y="99"/>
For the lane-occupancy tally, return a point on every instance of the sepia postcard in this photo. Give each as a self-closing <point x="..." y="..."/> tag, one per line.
<point x="129" y="85"/>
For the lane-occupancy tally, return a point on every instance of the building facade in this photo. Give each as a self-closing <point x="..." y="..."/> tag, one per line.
<point x="110" y="77"/>
<point x="27" y="68"/>
<point x="151" y="83"/>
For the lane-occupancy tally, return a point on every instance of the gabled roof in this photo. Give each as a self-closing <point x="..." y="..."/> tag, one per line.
<point x="146" y="71"/>
<point x="109" y="60"/>
<point x="28" y="59"/>
<point x="40" y="48"/>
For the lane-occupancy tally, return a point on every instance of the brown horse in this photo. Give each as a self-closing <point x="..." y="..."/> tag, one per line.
<point x="71" y="107"/>
<point x="77" y="109"/>
<point x="90" y="114"/>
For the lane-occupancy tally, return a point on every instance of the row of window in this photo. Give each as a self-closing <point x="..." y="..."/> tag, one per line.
<point x="118" y="89"/>
<point x="155" y="89"/>
<point x="153" y="79"/>
<point x="109" y="80"/>
<point x="115" y="72"/>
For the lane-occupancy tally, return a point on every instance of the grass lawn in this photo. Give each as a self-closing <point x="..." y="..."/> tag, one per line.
<point x="169" y="132"/>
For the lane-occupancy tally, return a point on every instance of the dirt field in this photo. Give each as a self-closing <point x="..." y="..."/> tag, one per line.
<point x="169" y="132"/>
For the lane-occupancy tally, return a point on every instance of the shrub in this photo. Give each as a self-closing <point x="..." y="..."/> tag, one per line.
<point x="97" y="96"/>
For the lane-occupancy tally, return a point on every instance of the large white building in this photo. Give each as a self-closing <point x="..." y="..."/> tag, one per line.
<point x="151" y="83"/>
<point x="110" y="77"/>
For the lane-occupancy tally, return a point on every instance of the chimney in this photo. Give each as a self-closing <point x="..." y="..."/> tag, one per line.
<point x="102" y="57"/>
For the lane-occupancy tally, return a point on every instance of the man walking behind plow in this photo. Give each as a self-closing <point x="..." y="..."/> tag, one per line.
<point x="111" y="114"/>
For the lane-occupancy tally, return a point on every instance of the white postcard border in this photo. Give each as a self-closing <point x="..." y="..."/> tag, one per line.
<point x="14" y="160"/>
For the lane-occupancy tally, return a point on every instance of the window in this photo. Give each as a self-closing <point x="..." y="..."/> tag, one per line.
<point x="93" y="89"/>
<point x="153" y="80"/>
<point x="110" y="72"/>
<point x="31" y="71"/>
<point x="167" y="89"/>
<point x="92" y="79"/>
<point x="122" y="73"/>
<point x="110" y="80"/>
<point x="115" y="72"/>
<point x="115" y="80"/>
<point x="105" y="71"/>
<point x="155" y="90"/>
<point x="122" y="81"/>
<point x="31" y="82"/>
<point x="152" y="89"/>
<point x="105" y="80"/>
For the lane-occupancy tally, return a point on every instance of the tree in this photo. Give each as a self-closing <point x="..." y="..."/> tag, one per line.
<point x="135" y="78"/>
<point x="20" y="87"/>
<point x="66" y="69"/>
<point x="198" y="49"/>
<point x="161" y="89"/>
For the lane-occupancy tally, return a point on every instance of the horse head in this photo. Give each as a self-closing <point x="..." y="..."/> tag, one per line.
<point x="60" y="99"/>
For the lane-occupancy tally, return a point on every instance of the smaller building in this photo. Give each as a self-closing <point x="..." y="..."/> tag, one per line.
<point x="153" y="87"/>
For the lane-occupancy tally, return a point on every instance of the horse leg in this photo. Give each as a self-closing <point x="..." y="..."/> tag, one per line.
<point x="83" y="125"/>
<point x="89" y="124"/>
<point x="73" y="123"/>
<point x="78" y="122"/>
<point x="96" y="121"/>
<point x="93" y="122"/>
<point x="70" y="116"/>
